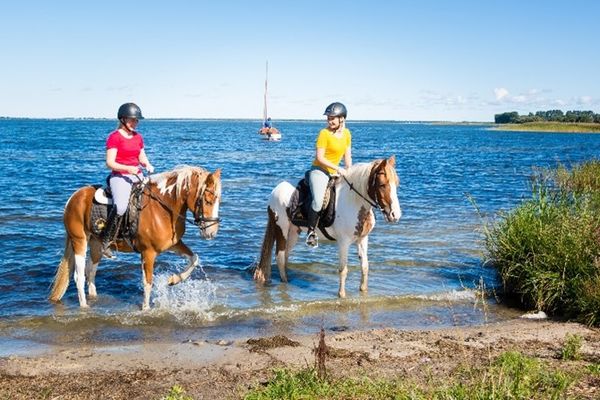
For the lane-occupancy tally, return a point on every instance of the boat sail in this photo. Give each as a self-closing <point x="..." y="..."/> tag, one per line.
<point x="267" y="129"/>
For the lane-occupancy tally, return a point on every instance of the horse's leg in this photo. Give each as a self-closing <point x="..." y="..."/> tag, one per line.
<point x="79" y="248"/>
<point x="363" y="246"/>
<point x="343" y="266"/>
<point x="92" y="266"/>
<point x="283" y="248"/>
<point x="148" y="258"/>
<point x="181" y="249"/>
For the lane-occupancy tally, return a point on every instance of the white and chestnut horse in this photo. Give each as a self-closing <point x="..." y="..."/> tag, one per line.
<point x="364" y="186"/>
<point x="161" y="225"/>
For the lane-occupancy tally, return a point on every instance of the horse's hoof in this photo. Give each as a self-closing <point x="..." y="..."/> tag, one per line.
<point x="259" y="277"/>
<point x="174" y="280"/>
<point x="342" y="295"/>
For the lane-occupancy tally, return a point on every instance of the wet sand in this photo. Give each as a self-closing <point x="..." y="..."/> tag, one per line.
<point x="221" y="369"/>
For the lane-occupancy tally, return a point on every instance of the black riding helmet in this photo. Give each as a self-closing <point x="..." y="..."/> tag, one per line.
<point x="336" y="110"/>
<point x="129" y="110"/>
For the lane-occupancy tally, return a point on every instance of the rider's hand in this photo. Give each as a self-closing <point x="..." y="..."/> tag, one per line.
<point x="149" y="168"/>
<point x="133" y="170"/>
<point x="341" y="171"/>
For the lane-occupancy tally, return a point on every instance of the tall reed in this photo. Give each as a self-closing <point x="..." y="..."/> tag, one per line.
<point x="547" y="250"/>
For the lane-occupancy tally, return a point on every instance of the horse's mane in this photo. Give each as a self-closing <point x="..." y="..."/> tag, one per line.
<point x="178" y="179"/>
<point x="359" y="173"/>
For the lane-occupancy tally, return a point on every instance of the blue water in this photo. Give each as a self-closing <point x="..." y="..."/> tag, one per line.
<point x="423" y="270"/>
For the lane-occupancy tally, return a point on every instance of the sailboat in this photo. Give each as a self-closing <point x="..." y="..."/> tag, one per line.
<point x="268" y="130"/>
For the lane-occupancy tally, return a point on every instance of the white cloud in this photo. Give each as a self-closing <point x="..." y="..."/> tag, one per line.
<point x="500" y="93"/>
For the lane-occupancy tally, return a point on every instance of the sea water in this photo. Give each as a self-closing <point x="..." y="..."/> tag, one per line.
<point x="426" y="271"/>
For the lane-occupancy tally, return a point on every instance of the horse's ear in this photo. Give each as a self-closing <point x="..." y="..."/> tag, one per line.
<point x="217" y="173"/>
<point x="392" y="161"/>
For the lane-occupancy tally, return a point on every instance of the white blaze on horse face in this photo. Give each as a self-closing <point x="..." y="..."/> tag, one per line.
<point x="395" y="211"/>
<point x="215" y="210"/>
<point x="212" y="227"/>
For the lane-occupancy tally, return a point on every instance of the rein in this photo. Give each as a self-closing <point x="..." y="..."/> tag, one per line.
<point x="373" y="204"/>
<point x="198" y="220"/>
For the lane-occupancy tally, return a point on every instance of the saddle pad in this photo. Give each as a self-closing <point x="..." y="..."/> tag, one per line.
<point x="101" y="198"/>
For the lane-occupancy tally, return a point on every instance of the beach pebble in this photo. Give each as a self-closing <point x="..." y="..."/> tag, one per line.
<point x="536" y="315"/>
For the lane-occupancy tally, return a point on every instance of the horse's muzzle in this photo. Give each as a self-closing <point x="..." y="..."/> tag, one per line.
<point x="391" y="215"/>
<point x="208" y="227"/>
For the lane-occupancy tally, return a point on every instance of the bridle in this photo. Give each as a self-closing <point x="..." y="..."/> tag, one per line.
<point x="200" y="220"/>
<point x="374" y="200"/>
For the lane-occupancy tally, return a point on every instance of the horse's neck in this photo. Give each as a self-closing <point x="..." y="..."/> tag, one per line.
<point x="173" y="202"/>
<point x="357" y="178"/>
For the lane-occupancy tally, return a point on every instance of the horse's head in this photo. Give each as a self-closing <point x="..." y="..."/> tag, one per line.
<point x="206" y="207"/>
<point x="383" y="185"/>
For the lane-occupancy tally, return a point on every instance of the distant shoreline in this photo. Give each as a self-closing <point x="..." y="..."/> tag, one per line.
<point x="352" y="121"/>
<point x="562" y="127"/>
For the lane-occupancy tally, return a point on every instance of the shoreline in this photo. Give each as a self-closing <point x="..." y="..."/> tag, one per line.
<point x="555" y="127"/>
<point x="229" y="368"/>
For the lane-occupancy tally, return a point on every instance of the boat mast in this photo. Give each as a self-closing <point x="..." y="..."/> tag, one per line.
<point x="265" y="96"/>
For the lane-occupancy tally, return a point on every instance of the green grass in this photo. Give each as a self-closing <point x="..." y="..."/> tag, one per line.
<point x="594" y="369"/>
<point x="547" y="250"/>
<point x="571" y="350"/>
<point x="510" y="376"/>
<point x="177" y="393"/>
<point x="550" y="127"/>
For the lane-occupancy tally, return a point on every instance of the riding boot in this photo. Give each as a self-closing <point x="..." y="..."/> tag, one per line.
<point x="312" y="240"/>
<point x="109" y="232"/>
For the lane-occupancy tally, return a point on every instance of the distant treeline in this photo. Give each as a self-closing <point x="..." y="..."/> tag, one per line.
<point x="550" y="116"/>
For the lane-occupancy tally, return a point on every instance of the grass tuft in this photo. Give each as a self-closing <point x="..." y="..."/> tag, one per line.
<point x="177" y="393"/>
<point x="571" y="350"/>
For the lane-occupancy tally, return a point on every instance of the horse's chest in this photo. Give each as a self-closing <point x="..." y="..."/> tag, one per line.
<point x="365" y="222"/>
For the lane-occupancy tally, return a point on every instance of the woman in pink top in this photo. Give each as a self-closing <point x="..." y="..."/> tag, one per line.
<point x="125" y="156"/>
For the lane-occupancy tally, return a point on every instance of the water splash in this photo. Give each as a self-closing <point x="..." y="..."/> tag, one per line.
<point x="192" y="299"/>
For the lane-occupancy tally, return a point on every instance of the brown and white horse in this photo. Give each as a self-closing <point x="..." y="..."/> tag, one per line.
<point x="165" y="201"/>
<point x="364" y="187"/>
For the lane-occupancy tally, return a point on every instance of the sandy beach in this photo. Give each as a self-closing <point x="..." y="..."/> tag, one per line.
<point x="227" y="369"/>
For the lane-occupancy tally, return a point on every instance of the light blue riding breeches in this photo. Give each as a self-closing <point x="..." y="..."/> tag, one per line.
<point x="120" y="186"/>
<point x="318" y="180"/>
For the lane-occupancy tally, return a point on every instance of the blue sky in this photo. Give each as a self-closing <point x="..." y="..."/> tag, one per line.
<point x="392" y="60"/>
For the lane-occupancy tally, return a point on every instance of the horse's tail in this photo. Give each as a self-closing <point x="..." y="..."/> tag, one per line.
<point x="263" y="271"/>
<point x="63" y="272"/>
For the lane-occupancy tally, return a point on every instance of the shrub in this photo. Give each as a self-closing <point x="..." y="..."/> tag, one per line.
<point x="547" y="250"/>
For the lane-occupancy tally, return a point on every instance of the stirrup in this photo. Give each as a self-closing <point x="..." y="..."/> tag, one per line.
<point x="312" y="240"/>
<point x="107" y="252"/>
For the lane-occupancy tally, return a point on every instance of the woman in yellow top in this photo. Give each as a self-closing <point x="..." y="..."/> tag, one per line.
<point x="333" y="143"/>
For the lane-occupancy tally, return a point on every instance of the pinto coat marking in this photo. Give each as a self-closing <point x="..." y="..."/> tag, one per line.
<point x="373" y="183"/>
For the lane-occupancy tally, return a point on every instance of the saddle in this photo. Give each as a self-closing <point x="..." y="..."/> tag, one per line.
<point x="103" y="203"/>
<point x="301" y="199"/>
